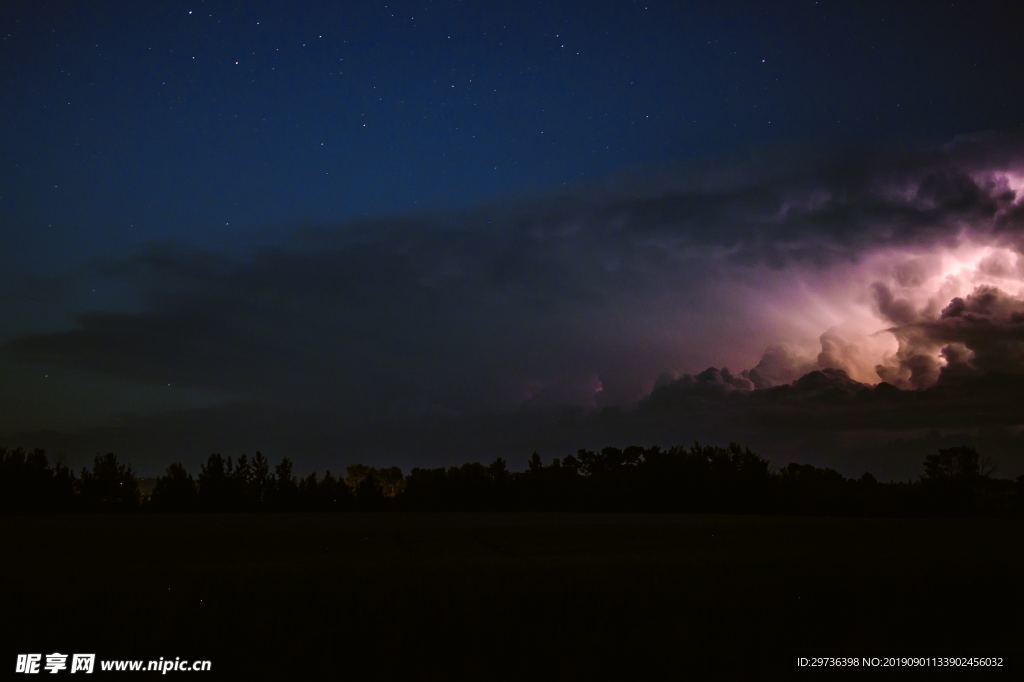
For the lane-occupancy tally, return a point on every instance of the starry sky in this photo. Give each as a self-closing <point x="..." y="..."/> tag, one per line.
<point x="419" y="232"/>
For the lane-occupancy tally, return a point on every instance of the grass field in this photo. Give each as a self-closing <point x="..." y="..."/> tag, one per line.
<point x="509" y="596"/>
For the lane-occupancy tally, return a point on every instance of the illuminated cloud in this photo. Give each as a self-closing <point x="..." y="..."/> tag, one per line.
<point x="805" y="278"/>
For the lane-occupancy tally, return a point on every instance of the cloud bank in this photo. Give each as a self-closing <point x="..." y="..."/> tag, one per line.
<point x="865" y="301"/>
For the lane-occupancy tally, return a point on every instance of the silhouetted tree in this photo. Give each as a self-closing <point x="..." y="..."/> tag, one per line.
<point x="427" y="490"/>
<point x="501" y="484"/>
<point x="324" y="493"/>
<point x="213" y="483"/>
<point x="284" y="490"/>
<point x="240" y="485"/>
<point x="29" y="483"/>
<point x="391" y="481"/>
<point x="366" y="488"/>
<point x="262" y="481"/>
<point x="953" y="478"/>
<point x="806" y="489"/>
<point x="953" y="464"/>
<point x="109" y="485"/>
<point x="334" y="494"/>
<point x="175" y="490"/>
<point x="680" y="479"/>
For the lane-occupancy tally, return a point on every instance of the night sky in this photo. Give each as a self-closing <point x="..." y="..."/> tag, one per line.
<point x="420" y="233"/>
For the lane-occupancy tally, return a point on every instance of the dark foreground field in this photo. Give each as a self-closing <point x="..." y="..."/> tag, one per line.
<point x="514" y="596"/>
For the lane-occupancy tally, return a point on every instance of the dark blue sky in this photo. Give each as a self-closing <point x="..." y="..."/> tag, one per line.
<point x="225" y="123"/>
<point x="223" y="215"/>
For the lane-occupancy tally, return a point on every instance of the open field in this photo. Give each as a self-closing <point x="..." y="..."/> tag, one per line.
<point x="509" y="596"/>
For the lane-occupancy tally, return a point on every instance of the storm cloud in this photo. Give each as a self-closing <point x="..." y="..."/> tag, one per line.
<point x="863" y="300"/>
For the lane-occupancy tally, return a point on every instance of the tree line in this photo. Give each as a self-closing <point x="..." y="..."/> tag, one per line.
<point x="697" y="478"/>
